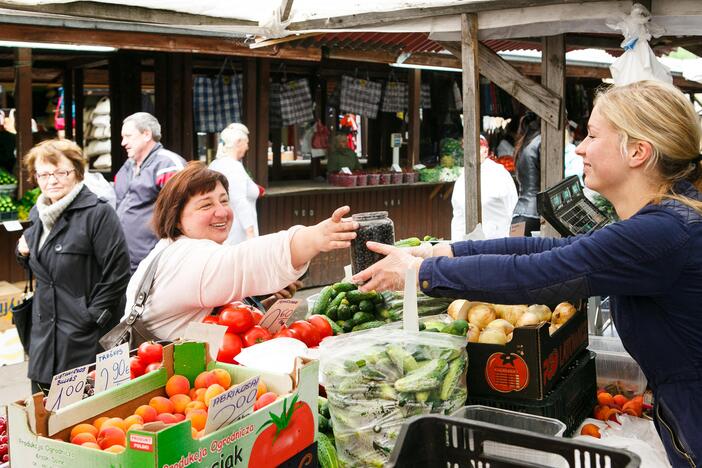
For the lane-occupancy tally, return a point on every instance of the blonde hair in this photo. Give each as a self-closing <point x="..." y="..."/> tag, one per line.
<point x="230" y="136"/>
<point x="663" y="116"/>
<point x="51" y="151"/>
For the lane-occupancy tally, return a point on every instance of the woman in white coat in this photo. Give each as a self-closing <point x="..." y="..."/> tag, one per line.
<point x="243" y="192"/>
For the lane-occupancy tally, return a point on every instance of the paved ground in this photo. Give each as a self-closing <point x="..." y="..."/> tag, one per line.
<point x="14" y="384"/>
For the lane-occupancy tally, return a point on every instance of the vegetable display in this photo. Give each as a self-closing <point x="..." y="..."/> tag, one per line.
<point x="378" y="378"/>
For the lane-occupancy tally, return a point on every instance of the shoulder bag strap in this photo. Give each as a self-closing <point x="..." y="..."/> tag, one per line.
<point x="144" y="290"/>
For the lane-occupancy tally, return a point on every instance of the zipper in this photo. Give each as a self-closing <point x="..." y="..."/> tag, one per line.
<point x="676" y="443"/>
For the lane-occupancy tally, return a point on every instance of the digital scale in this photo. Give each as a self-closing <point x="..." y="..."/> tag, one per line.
<point x="567" y="209"/>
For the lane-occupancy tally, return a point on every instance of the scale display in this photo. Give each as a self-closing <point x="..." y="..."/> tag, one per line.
<point x="567" y="209"/>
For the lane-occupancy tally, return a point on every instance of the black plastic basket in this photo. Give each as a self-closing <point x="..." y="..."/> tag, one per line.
<point x="570" y="401"/>
<point x="458" y="443"/>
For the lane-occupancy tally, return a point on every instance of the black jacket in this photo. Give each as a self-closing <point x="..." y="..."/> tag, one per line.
<point x="529" y="178"/>
<point x="82" y="272"/>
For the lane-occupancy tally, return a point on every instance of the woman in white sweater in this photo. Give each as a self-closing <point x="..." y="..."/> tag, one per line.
<point x="243" y="192"/>
<point x="199" y="270"/>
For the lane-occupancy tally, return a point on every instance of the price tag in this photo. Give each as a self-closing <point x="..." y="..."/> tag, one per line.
<point x="66" y="388"/>
<point x="12" y="226"/>
<point x="112" y="368"/>
<point x="210" y="333"/>
<point x="418" y="167"/>
<point x="517" y="229"/>
<point x="278" y="314"/>
<point x="231" y="405"/>
<point x="395" y="168"/>
<point x="345" y="170"/>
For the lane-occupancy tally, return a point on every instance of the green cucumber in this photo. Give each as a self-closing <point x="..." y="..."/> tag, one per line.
<point x="368" y="325"/>
<point x="325" y="296"/>
<point x="344" y="287"/>
<point x="452" y="378"/>
<point x="336" y="329"/>
<point x="425" y="378"/>
<point x="326" y="452"/>
<point x="366" y="306"/>
<point x="357" y="296"/>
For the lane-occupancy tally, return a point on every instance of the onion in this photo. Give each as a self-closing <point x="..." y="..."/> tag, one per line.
<point x="502" y="324"/>
<point x="481" y="314"/>
<point x="541" y="311"/>
<point x="509" y="337"/>
<point x="553" y="328"/>
<point x="493" y="336"/>
<point x="511" y="313"/>
<point x="458" y="309"/>
<point x="563" y="312"/>
<point x="473" y="333"/>
<point x="529" y="318"/>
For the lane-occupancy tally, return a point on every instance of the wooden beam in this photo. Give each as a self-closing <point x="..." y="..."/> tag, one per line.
<point x="262" y="124"/>
<point x="135" y="14"/>
<point x="544" y="102"/>
<point x="415" y="85"/>
<point x="552" y="136"/>
<point x="251" y="114"/>
<point x="23" y="112"/>
<point x="471" y="119"/>
<point x="387" y="17"/>
<point x="281" y="40"/>
<point x="79" y="95"/>
<point x="285" y="8"/>
<point x="68" y="103"/>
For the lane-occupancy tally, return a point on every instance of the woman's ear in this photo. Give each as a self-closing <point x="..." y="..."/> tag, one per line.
<point x="641" y="153"/>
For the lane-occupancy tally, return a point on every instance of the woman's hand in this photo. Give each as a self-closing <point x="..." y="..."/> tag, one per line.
<point x="331" y="234"/>
<point x="388" y="273"/>
<point x="22" y="247"/>
<point x="285" y="293"/>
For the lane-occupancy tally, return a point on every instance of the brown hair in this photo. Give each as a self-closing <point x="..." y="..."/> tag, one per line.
<point x="195" y="179"/>
<point x="51" y="151"/>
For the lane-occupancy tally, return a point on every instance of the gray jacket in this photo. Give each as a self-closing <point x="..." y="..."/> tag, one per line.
<point x="82" y="272"/>
<point x="136" y="195"/>
<point x="529" y="178"/>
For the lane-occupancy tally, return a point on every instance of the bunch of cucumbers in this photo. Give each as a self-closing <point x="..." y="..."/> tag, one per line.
<point x="349" y="309"/>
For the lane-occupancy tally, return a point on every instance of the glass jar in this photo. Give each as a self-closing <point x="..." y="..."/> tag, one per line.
<point x="374" y="226"/>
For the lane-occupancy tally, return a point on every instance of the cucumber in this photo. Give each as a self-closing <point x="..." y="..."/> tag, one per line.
<point x="323" y="406"/>
<point x="344" y="287"/>
<point x="333" y="313"/>
<point x="362" y="317"/>
<point x="344" y="312"/>
<point x="368" y="325"/>
<point x="452" y="378"/>
<point x="326" y="452"/>
<point x="422" y="397"/>
<point x="337" y="300"/>
<point x="366" y="306"/>
<point x="401" y="358"/>
<point x="357" y="296"/>
<point x="336" y="329"/>
<point x="425" y="378"/>
<point x="325" y="296"/>
<point x="323" y="424"/>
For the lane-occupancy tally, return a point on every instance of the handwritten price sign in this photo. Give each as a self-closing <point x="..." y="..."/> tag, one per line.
<point x="66" y="388"/>
<point x="279" y="314"/>
<point x="231" y="405"/>
<point x="112" y="368"/>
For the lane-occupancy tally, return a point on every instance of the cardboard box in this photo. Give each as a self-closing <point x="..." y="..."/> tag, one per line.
<point x="530" y="364"/>
<point x="10" y="295"/>
<point x="32" y="430"/>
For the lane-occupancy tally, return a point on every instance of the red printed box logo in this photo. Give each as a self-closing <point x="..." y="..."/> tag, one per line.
<point x="140" y="442"/>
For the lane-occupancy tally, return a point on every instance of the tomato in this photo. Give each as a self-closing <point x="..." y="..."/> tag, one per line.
<point x="257" y="315"/>
<point x="321" y="324"/>
<point x="150" y="352"/>
<point x="211" y="319"/>
<point x="265" y="400"/>
<point x="231" y="346"/>
<point x="286" y="435"/>
<point x="287" y="332"/>
<point x="136" y="367"/>
<point x="306" y="332"/>
<point x="237" y="318"/>
<point x="257" y="334"/>
<point x="152" y="367"/>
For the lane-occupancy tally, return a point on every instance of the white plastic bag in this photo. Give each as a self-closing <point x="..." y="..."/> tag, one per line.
<point x="638" y="61"/>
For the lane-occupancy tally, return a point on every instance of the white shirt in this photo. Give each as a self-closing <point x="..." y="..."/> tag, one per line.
<point x="99" y="186"/>
<point x="498" y="197"/>
<point x="243" y="193"/>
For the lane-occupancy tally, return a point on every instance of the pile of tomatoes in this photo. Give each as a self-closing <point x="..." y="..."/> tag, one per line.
<point x="149" y="357"/>
<point x="243" y="329"/>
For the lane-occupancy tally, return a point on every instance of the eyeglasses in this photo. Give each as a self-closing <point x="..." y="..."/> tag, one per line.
<point x="58" y="175"/>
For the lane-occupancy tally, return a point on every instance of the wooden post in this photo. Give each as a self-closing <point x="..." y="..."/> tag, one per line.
<point x="250" y="115"/>
<point x="262" y="127"/>
<point x="471" y="118"/>
<point x="78" y="86"/>
<point x="174" y="109"/>
<point x="68" y="103"/>
<point x="415" y="86"/>
<point x="125" y="98"/>
<point x="23" y="112"/>
<point x="553" y="137"/>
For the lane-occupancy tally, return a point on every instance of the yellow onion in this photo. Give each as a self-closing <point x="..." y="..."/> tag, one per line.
<point x="541" y="311"/>
<point x="553" y="328"/>
<point x="529" y="318"/>
<point x="493" y="336"/>
<point x="473" y="333"/>
<point x="502" y="324"/>
<point x="481" y="314"/>
<point x="563" y="312"/>
<point x="458" y="309"/>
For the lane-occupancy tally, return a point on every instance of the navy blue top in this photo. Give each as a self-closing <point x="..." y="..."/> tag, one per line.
<point x="650" y="265"/>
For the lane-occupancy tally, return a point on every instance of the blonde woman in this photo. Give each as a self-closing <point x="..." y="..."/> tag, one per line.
<point x="243" y="192"/>
<point x="642" y="154"/>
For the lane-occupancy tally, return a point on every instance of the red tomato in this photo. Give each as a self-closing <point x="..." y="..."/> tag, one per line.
<point x="321" y="324"/>
<point x="231" y="346"/>
<point x="211" y="319"/>
<point x="257" y="315"/>
<point x="136" y="367"/>
<point x="256" y="334"/>
<point x="150" y="352"/>
<point x="286" y="332"/>
<point x="237" y="319"/>
<point x="290" y="433"/>
<point x="265" y="400"/>
<point x="306" y="332"/>
<point x="152" y="367"/>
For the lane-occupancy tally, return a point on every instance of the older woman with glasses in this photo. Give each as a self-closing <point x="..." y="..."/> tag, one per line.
<point x="76" y="249"/>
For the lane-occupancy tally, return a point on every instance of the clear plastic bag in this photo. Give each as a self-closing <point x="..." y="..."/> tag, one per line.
<point x="377" y="379"/>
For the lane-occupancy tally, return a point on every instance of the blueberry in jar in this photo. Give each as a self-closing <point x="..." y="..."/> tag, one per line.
<point x="374" y="226"/>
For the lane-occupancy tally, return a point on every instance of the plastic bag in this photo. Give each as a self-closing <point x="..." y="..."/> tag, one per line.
<point x="638" y="61"/>
<point x="377" y="379"/>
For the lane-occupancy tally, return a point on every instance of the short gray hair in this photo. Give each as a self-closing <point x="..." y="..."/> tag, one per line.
<point x="144" y="121"/>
